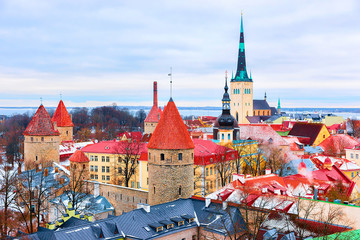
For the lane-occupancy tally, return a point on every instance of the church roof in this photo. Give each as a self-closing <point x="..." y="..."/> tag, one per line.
<point x="154" y="114"/>
<point x="40" y="124"/>
<point x="61" y="116"/>
<point x="260" y="105"/>
<point x="171" y="132"/>
<point x="79" y="156"/>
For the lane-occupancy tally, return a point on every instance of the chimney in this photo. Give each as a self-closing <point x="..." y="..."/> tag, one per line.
<point x="155" y="94"/>
<point x="224" y="205"/>
<point x="267" y="171"/>
<point x="46" y="172"/>
<point x="239" y="177"/>
<point x="207" y="202"/>
<point x="144" y="206"/>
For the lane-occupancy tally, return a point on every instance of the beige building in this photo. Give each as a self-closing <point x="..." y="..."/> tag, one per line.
<point x="41" y="141"/>
<point x="353" y="154"/>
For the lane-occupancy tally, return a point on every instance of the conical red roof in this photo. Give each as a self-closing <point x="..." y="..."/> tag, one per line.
<point x="40" y="124"/>
<point x="61" y="116"/>
<point x="79" y="156"/>
<point x="154" y="114"/>
<point x="171" y="133"/>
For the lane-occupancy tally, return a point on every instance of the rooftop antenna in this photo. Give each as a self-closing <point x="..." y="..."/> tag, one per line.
<point x="170" y="75"/>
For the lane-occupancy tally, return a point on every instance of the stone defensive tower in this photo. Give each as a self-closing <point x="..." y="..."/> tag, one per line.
<point x="62" y="122"/>
<point x="79" y="170"/>
<point x="170" y="159"/>
<point x="41" y="143"/>
<point x="153" y="117"/>
<point x="241" y="86"/>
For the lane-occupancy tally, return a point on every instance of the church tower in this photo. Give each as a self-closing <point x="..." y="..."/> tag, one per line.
<point x="226" y="128"/>
<point x="62" y="122"/>
<point x="41" y="141"/>
<point x="241" y="86"/>
<point x="170" y="159"/>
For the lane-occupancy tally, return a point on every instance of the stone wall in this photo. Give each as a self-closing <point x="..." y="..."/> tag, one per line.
<point x="123" y="199"/>
<point x="41" y="150"/>
<point x="170" y="178"/>
<point x="150" y="127"/>
<point x="66" y="133"/>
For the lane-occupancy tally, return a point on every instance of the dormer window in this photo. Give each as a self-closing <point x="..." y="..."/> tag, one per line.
<point x="158" y="229"/>
<point x="181" y="223"/>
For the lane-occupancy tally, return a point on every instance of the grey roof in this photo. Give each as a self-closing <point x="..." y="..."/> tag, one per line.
<point x="39" y="179"/>
<point x="260" y="105"/>
<point x="140" y="224"/>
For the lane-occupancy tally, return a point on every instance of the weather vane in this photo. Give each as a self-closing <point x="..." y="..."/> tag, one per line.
<point x="41" y="100"/>
<point x="170" y="75"/>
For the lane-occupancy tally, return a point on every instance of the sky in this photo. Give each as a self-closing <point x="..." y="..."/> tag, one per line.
<point x="97" y="53"/>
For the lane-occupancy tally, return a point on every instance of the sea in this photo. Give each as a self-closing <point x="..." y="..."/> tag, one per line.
<point x="352" y="113"/>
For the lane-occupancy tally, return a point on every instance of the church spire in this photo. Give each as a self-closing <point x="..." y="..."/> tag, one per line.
<point x="226" y="98"/>
<point x="241" y="73"/>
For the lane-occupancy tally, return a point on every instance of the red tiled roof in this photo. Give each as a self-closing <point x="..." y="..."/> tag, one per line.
<point x="303" y="129"/>
<point x="61" y="116"/>
<point x="154" y="114"/>
<point x="262" y="133"/>
<point x="40" y="124"/>
<point x="79" y="156"/>
<point x="146" y="137"/>
<point x="207" y="152"/>
<point x="335" y="144"/>
<point x="116" y="147"/>
<point x="171" y="133"/>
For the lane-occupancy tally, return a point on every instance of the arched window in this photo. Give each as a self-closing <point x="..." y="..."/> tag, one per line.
<point x="83" y="166"/>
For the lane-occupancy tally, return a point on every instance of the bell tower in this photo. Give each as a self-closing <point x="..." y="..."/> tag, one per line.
<point x="241" y="86"/>
<point x="170" y="159"/>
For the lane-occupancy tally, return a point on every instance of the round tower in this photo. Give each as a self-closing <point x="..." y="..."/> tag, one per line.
<point x="41" y="141"/>
<point x="170" y="159"/>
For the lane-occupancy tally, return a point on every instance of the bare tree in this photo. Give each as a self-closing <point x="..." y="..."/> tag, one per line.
<point x="354" y="127"/>
<point x="128" y="153"/>
<point x="223" y="166"/>
<point x="8" y="177"/>
<point x="275" y="158"/>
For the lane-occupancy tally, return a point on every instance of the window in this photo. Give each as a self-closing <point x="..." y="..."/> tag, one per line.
<point x="120" y="170"/>
<point x="67" y="133"/>
<point x="92" y="176"/>
<point x="211" y="171"/>
<point x="96" y="168"/>
<point x="91" y="168"/>
<point x="222" y="136"/>
<point x="32" y="139"/>
<point x="357" y="156"/>
<point x="211" y="185"/>
<point x="147" y="181"/>
<point x="107" y="159"/>
<point x="96" y="176"/>
<point x="229" y="136"/>
<point x="119" y="182"/>
<point x="352" y="174"/>
<point x="96" y="158"/>
<point x="154" y="190"/>
<point x="103" y="177"/>
<point x="119" y="159"/>
<point x="42" y="139"/>
<point x="149" y="156"/>
<point x="192" y="156"/>
<point x="107" y="169"/>
<point x="103" y="158"/>
<point x="351" y="155"/>
<point x="103" y="169"/>
<point x="132" y="184"/>
<point x="107" y="178"/>
<point x="207" y="172"/>
<point x="180" y="190"/>
<point x="91" y="158"/>
<point x="84" y="166"/>
<point x="138" y="184"/>
<point x="180" y="223"/>
<point x="180" y="156"/>
<point x="162" y="156"/>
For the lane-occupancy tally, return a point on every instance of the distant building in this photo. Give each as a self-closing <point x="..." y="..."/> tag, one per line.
<point x="41" y="141"/>
<point x="310" y="133"/>
<point x="153" y="117"/>
<point x="62" y="122"/>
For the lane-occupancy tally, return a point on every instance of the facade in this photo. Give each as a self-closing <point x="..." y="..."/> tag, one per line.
<point x="108" y="161"/>
<point x="170" y="159"/>
<point x="79" y="167"/>
<point x="41" y="141"/>
<point x="353" y="154"/>
<point x="310" y="133"/>
<point x="62" y="122"/>
<point x="241" y="86"/>
<point x="153" y="117"/>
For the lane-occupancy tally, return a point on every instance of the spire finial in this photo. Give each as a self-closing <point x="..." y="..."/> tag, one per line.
<point x="41" y="100"/>
<point x="265" y="95"/>
<point x="60" y="96"/>
<point x="226" y="86"/>
<point x="170" y="75"/>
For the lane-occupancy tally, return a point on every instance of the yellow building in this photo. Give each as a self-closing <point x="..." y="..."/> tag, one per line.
<point x="115" y="162"/>
<point x="311" y="133"/>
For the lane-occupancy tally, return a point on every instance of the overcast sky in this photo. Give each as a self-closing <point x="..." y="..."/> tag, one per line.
<point x="305" y="52"/>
